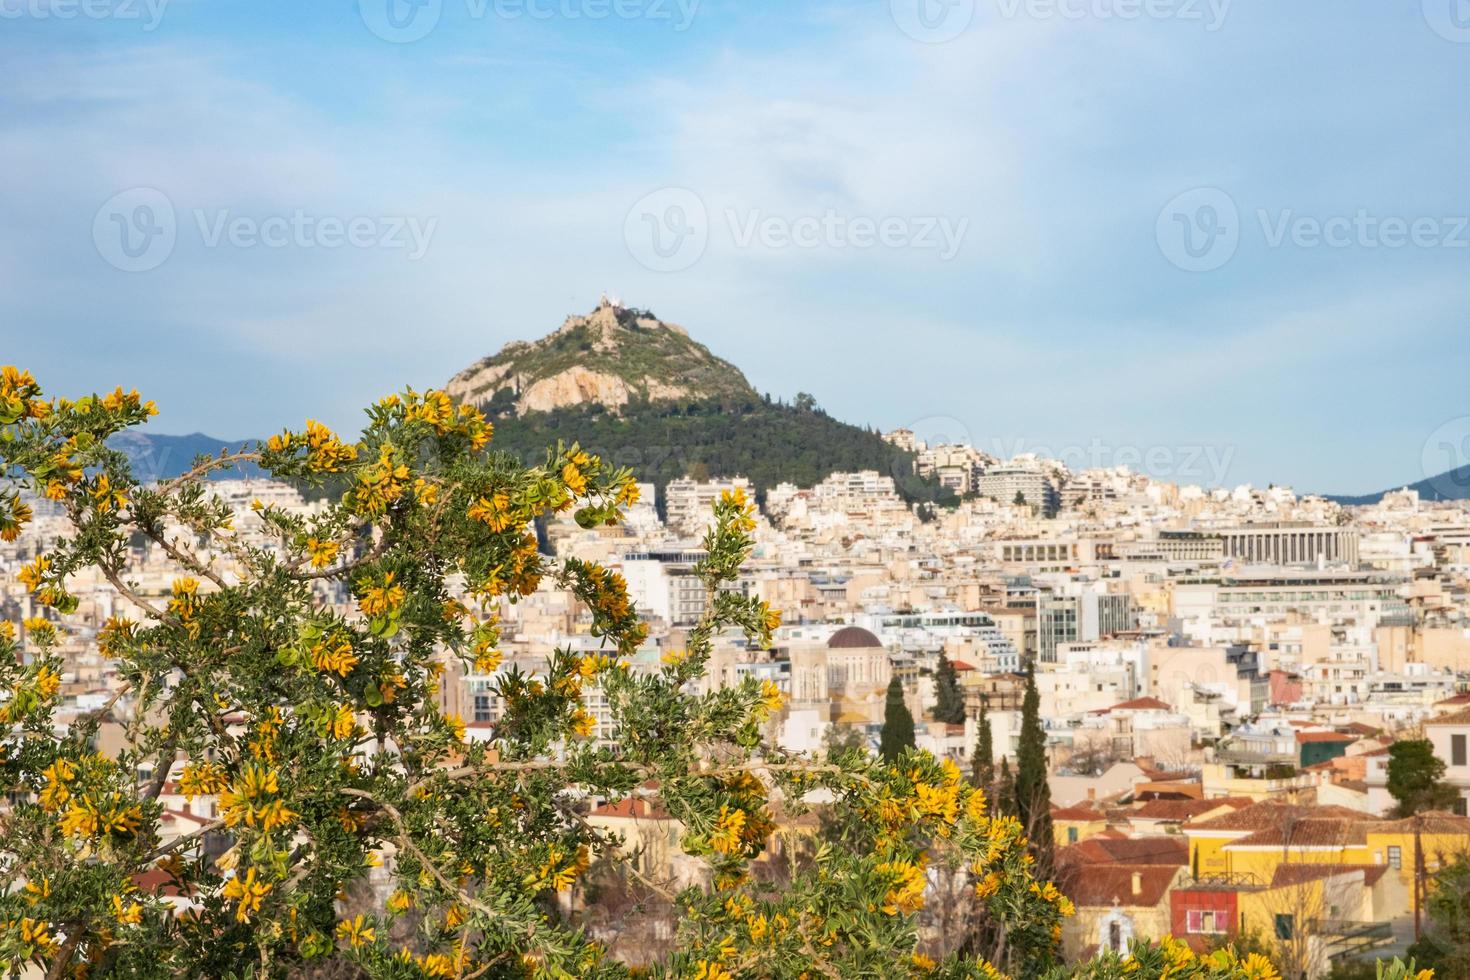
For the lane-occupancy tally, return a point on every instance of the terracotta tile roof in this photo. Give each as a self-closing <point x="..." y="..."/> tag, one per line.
<point x="1303" y="737"/>
<point x="1309" y="832"/>
<point x="1076" y="813"/>
<point x="1296" y="874"/>
<point x="1114" y="885"/>
<point x="1434" y="822"/>
<point x="1170" y="851"/>
<point x="1461" y="717"/>
<point x="1181" y="810"/>
<point x="1138" y="704"/>
<point x="1267" y="815"/>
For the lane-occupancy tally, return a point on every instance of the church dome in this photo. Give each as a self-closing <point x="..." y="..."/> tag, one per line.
<point x="853" y="638"/>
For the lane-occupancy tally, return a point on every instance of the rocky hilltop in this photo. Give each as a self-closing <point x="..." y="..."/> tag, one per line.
<point x="612" y="357"/>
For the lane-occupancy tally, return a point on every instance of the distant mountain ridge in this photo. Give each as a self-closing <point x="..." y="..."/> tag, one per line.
<point x="1450" y="485"/>
<point x="161" y="457"/>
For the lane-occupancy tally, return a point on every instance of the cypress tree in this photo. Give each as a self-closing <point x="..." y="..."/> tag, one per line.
<point x="898" y="724"/>
<point x="1033" y="792"/>
<point x="949" y="701"/>
<point x="982" y="760"/>
<point x="1005" y="790"/>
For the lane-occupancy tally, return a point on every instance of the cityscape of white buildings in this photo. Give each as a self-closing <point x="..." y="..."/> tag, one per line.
<point x="1252" y="644"/>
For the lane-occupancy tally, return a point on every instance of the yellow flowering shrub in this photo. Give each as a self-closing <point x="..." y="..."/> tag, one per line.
<point x="316" y="727"/>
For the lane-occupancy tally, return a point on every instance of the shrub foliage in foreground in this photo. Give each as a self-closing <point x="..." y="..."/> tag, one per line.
<point x="320" y="733"/>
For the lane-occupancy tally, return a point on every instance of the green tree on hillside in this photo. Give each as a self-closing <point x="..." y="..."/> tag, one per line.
<point x="898" y="724"/>
<point x="949" y="700"/>
<point x="982" y="759"/>
<point x="1416" y="778"/>
<point x="1033" y="790"/>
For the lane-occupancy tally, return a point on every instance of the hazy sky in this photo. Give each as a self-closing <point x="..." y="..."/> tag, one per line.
<point x="1225" y="241"/>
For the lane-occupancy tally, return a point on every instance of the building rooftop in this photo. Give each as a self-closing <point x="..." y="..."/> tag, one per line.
<point x="853" y="638"/>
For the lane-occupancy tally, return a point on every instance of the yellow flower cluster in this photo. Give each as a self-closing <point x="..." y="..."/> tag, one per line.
<point x="334" y="655"/>
<point x="42" y="631"/>
<point x="111" y="814"/>
<point x="381" y="598"/>
<point x="583" y="724"/>
<point x="436" y="409"/>
<point x="380" y="485"/>
<point x="729" y="830"/>
<point x="185" y="603"/>
<point x="496" y="512"/>
<point x="520" y="573"/>
<point x="356" y="931"/>
<point x="744" y="507"/>
<point x="322" y="551"/>
<point x="559" y="870"/>
<point x="31" y="575"/>
<point x="487" y="658"/>
<point x="249" y="801"/>
<point x="126" y="914"/>
<point x="263" y="745"/>
<point x="13" y="522"/>
<point x="105" y="497"/>
<point x="1049" y="893"/>
<point x="340" y="723"/>
<point x="906" y="886"/>
<point x="19" y="395"/>
<point x="59" y="775"/>
<point x="249" y="892"/>
<point x="325" y="453"/>
<point x="32" y="933"/>
<point x="771" y="697"/>
<point x="202" y="779"/>
<point x="119" y="401"/>
<point x="115" y="633"/>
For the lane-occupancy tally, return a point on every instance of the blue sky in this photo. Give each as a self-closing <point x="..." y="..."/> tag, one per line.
<point x="1034" y="166"/>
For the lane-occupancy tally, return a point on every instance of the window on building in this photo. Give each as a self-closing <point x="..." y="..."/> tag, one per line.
<point x="1071" y="835"/>
<point x="1204" y="921"/>
<point x="1395" y="857"/>
<point x="1285" y="925"/>
<point x="1115" y="936"/>
<point x="484" y="708"/>
<point x="1457" y="750"/>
